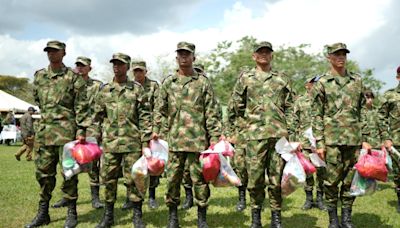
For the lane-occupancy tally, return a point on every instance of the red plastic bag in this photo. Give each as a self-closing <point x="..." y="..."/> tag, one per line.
<point x="155" y="165"/>
<point x="211" y="165"/>
<point x="86" y="152"/>
<point x="309" y="168"/>
<point x="373" y="165"/>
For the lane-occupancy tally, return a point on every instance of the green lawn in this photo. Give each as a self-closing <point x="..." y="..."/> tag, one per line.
<point x="19" y="198"/>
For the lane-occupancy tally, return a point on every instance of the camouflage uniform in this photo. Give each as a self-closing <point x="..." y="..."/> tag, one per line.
<point x="389" y="114"/>
<point x="190" y="111"/>
<point x="27" y="133"/>
<point x="302" y="111"/>
<point x="371" y="132"/>
<point x="123" y="113"/>
<point x="337" y="128"/>
<point x="264" y="101"/>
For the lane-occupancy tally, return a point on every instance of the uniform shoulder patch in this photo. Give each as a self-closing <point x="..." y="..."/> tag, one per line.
<point x="169" y="77"/>
<point x="43" y="70"/>
<point x="104" y="86"/>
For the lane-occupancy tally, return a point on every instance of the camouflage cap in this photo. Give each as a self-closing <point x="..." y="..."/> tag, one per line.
<point x="199" y="67"/>
<point x="262" y="44"/>
<point x="139" y="64"/>
<point x="336" y="47"/>
<point x="83" y="60"/>
<point x="54" y="44"/>
<point x="121" y="57"/>
<point x="186" y="46"/>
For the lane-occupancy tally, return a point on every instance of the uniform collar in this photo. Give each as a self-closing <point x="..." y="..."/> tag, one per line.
<point x="53" y="74"/>
<point x="128" y="84"/>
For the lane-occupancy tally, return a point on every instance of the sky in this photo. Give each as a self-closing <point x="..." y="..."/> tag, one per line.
<point x="150" y="30"/>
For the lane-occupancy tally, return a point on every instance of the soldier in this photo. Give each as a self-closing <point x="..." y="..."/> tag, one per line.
<point x="262" y="97"/>
<point x="337" y="99"/>
<point x="371" y="132"/>
<point x="302" y="111"/>
<point x="122" y="111"/>
<point x="389" y="114"/>
<point x="61" y="97"/>
<point x="27" y="133"/>
<point x="83" y="68"/>
<point x="186" y="101"/>
<point x="9" y="119"/>
<point x="234" y="132"/>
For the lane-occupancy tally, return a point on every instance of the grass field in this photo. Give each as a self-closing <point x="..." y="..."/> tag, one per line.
<point x="19" y="199"/>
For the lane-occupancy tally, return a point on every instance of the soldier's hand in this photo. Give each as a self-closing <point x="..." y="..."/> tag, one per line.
<point x="388" y="144"/>
<point x="222" y="137"/>
<point x="321" y="153"/>
<point x="154" y="136"/>
<point x="366" y="146"/>
<point x="81" y="138"/>
<point x="232" y="140"/>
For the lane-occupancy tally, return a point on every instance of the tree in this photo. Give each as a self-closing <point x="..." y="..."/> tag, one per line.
<point x="19" y="87"/>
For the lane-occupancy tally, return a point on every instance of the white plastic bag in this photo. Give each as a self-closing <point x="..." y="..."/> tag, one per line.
<point x="226" y="176"/>
<point x="316" y="160"/>
<point x="361" y="186"/>
<point x="159" y="149"/>
<point x="293" y="176"/>
<point x="286" y="148"/>
<point x="140" y="175"/>
<point x="69" y="164"/>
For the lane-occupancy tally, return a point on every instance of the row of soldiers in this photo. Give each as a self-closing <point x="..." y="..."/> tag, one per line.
<point x="126" y="114"/>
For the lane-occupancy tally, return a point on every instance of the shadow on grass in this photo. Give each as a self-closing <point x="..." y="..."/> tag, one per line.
<point x="298" y="221"/>
<point x="367" y="220"/>
<point x="393" y="204"/>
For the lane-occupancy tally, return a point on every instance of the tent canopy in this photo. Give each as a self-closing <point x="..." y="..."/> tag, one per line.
<point x="8" y="103"/>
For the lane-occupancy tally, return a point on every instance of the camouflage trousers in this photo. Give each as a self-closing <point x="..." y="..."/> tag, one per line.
<point x="176" y="166"/>
<point x="339" y="170"/>
<point x="26" y="147"/>
<point x="94" y="173"/>
<point x="261" y="157"/>
<point x="239" y="165"/>
<point x="110" y="171"/>
<point x="396" y="169"/>
<point x="187" y="181"/>
<point x="46" y="169"/>
<point x="309" y="186"/>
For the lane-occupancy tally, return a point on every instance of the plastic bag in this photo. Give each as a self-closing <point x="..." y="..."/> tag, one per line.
<point x="308" y="167"/>
<point x="86" y="152"/>
<point x="361" y="186"/>
<point x="293" y="175"/>
<point x="158" y="157"/>
<point x="210" y="164"/>
<point x="224" y="147"/>
<point x="140" y="175"/>
<point x="372" y="165"/>
<point x="286" y="148"/>
<point x="316" y="160"/>
<point x="226" y="176"/>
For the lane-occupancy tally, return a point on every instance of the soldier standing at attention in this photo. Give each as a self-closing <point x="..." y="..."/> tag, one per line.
<point x="28" y="135"/>
<point x="390" y="127"/>
<point x="83" y="66"/>
<point x="302" y="111"/>
<point x="122" y="111"/>
<point x="61" y="97"/>
<point x="187" y="103"/>
<point x="338" y="97"/>
<point x="263" y="97"/>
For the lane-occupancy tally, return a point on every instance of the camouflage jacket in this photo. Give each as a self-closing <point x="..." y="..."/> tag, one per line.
<point x="93" y="88"/>
<point x="122" y="110"/>
<point x="336" y="109"/>
<point x="26" y="123"/>
<point x="389" y="115"/>
<point x="190" y="113"/>
<point x="235" y="126"/>
<point x="265" y="102"/>
<point x="302" y="118"/>
<point x="151" y="90"/>
<point x="370" y="127"/>
<point x="62" y="99"/>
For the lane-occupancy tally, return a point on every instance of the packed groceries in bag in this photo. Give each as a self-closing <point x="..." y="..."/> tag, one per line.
<point x="216" y="168"/>
<point x="361" y="186"/>
<point x="158" y="159"/>
<point x="372" y="164"/>
<point x="140" y="175"/>
<point x="78" y="157"/>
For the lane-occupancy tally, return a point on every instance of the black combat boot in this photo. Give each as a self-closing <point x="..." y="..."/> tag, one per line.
<point x="202" y="217"/>
<point x="173" y="221"/>
<point x="152" y="198"/>
<point x="398" y="201"/>
<point x="333" y="218"/>
<point x="189" y="199"/>
<point x="72" y="217"/>
<point x="309" y="201"/>
<point x="241" y="205"/>
<point x="42" y="217"/>
<point x="137" y="215"/>
<point x="256" y="218"/>
<point x="346" y="218"/>
<point x="108" y="217"/>
<point x="128" y="204"/>
<point x="276" y="219"/>
<point x="95" y="197"/>
<point x="320" y="201"/>
<point x="61" y="203"/>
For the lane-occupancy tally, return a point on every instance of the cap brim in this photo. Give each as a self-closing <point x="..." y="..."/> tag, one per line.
<point x="139" y="67"/>
<point x="52" y="47"/>
<point x="344" y="49"/>
<point x="186" y="49"/>
<point x="258" y="48"/>
<point x="81" y="62"/>
<point x="121" y="60"/>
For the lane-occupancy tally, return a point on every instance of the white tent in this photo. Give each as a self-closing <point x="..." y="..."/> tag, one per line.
<point x="8" y="103"/>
